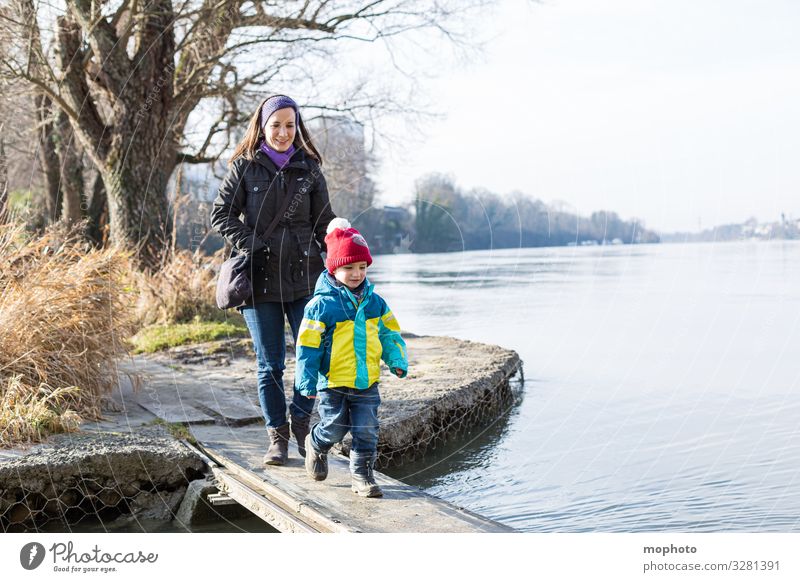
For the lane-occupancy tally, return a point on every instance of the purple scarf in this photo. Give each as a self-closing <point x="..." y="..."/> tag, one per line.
<point x="280" y="159"/>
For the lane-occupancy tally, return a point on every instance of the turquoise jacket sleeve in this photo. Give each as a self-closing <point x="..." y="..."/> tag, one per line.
<point x="394" y="346"/>
<point x="310" y="349"/>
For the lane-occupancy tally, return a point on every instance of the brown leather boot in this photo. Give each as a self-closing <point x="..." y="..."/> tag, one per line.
<point x="300" y="431"/>
<point x="316" y="463"/>
<point x="278" y="452"/>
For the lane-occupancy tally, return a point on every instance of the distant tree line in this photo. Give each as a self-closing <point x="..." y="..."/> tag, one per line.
<point x="784" y="229"/>
<point x="448" y="219"/>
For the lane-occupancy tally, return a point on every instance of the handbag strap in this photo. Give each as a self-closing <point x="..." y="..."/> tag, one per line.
<point x="284" y="205"/>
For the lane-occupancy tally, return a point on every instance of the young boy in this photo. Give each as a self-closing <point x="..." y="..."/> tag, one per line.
<point x="346" y="330"/>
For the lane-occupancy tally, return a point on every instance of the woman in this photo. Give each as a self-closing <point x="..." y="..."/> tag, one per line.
<point x="274" y="181"/>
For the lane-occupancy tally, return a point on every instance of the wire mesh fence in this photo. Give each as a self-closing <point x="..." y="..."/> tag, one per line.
<point x="90" y="477"/>
<point x="447" y="423"/>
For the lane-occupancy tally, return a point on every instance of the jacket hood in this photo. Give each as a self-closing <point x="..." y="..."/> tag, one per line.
<point x="326" y="286"/>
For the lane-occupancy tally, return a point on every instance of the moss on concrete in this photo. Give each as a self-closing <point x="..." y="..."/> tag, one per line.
<point x="156" y="338"/>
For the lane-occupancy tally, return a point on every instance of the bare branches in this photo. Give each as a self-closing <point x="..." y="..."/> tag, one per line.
<point x="35" y="63"/>
<point x="219" y="126"/>
<point x="77" y="102"/>
<point x="183" y="158"/>
<point x="285" y="23"/>
<point x="214" y="34"/>
<point x="101" y="34"/>
<point x="203" y="48"/>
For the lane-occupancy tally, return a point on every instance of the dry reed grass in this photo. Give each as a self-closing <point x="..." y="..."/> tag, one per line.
<point x="65" y="314"/>
<point x="182" y="290"/>
<point x="29" y="414"/>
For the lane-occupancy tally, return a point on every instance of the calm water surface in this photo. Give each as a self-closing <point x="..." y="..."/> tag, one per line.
<point x="661" y="383"/>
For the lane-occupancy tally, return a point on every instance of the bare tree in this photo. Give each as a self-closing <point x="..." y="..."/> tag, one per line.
<point x="128" y="74"/>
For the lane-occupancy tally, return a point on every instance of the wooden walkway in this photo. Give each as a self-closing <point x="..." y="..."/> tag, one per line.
<point x="213" y="392"/>
<point x="286" y="498"/>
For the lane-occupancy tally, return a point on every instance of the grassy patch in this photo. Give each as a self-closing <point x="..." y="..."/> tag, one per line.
<point x="161" y="337"/>
<point x="19" y="200"/>
<point x="176" y="429"/>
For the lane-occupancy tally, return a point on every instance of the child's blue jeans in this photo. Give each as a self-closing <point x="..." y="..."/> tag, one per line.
<point x="347" y="409"/>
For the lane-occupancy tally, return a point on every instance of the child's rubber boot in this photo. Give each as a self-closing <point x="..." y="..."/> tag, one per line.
<point x="278" y="452"/>
<point x="363" y="477"/>
<point x="316" y="462"/>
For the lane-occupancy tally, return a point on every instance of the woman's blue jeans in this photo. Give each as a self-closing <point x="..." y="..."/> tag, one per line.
<point x="265" y="322"/>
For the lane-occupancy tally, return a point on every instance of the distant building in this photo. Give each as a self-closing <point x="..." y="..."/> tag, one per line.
<point x="346" y="164"/>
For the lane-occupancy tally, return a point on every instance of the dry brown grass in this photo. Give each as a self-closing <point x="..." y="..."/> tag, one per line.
<point x="29" y="414"/>
<point x="66" y="311"/>
<point x="182" y="290"/>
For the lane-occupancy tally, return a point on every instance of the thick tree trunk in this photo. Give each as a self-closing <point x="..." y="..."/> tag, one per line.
<point x="97" y="214"/>
<point x="73" y="194"/>
<point x="136" y="186"/>
<point x="143" y="149"/>
<point x="48" y="158"/>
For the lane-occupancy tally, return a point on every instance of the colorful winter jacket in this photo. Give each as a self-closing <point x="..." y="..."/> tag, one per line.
<point x="341" y="341"/>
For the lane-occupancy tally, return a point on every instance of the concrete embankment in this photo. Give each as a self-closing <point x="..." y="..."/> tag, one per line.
<point x="124" y="466"/>
<point x="142" y="474"/>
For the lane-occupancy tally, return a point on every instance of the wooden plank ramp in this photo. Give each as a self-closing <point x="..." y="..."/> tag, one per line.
<point x="286" y="498"/>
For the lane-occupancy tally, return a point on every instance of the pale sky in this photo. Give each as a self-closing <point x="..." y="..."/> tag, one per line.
<point x="679" y="112"/>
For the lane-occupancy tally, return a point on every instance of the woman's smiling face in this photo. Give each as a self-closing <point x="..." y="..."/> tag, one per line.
<point x="281" y="129"/>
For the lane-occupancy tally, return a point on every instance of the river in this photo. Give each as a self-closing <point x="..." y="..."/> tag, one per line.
<point x="661" y="383"/>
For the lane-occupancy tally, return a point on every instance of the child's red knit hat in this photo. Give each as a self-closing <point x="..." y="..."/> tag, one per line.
<point x="345" y="245"/>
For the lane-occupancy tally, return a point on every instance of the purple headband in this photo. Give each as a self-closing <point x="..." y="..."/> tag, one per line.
<point x="274" y="103"/>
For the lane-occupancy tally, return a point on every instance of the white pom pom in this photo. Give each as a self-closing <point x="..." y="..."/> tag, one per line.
<point x="342" y="223"/>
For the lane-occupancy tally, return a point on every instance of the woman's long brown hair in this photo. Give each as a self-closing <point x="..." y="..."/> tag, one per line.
<point x="255" y="135"/>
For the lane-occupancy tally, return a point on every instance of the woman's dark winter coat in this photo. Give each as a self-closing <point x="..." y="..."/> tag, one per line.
<point x="285" y="266"/>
